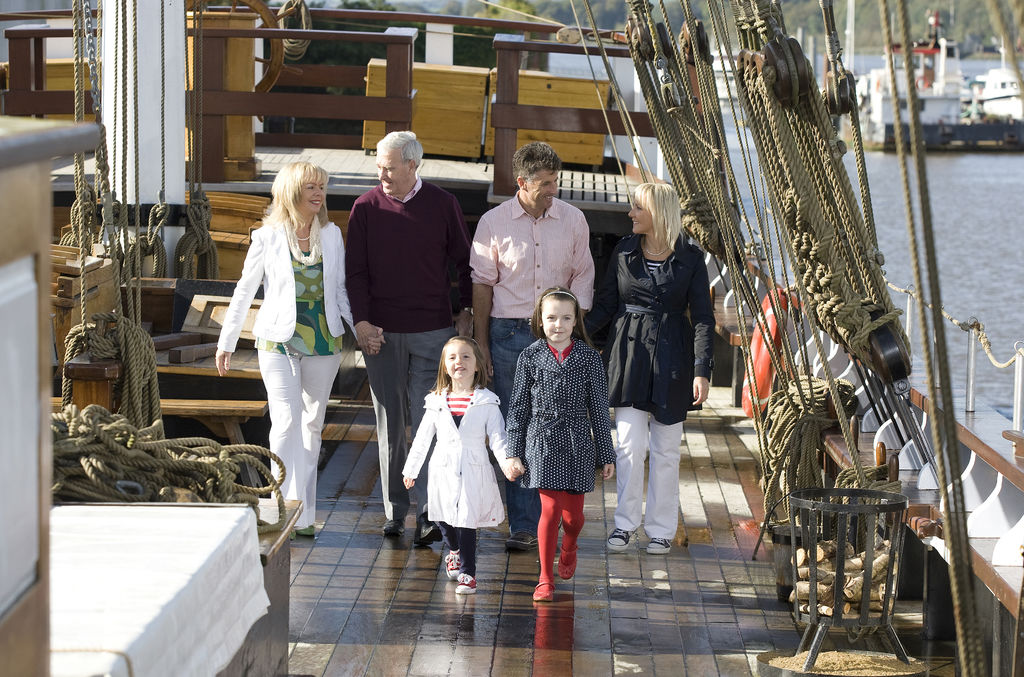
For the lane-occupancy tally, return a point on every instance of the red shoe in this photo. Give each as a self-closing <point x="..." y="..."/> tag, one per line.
<point x="567" y="563"/>
<point x="544" y="592"/>
<point x="467" y="585"/>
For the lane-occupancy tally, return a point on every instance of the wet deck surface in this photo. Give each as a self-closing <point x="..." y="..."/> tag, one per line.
<point x="363" y="604"/>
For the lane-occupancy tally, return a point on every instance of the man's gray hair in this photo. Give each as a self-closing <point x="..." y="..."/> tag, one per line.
<point x="406" y="143"/>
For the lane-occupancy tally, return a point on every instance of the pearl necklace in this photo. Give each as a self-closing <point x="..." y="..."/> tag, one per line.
<point x="315" y="252"/>
<point x="643" y="246"/>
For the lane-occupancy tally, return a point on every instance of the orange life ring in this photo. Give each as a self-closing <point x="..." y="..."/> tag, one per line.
<point x="760" y="354"/>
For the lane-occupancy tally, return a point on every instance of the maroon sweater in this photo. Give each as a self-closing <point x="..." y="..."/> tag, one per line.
<point x="397" y="257"/>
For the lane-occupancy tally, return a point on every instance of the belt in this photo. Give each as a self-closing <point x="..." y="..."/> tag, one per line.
<point x="643" y="310"/>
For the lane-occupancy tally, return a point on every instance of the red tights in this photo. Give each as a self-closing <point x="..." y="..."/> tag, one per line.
<point x="555" y="506"/>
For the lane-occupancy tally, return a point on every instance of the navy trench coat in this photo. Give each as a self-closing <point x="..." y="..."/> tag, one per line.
<point x="662" y="328"/>
<point x="558" y="422"/>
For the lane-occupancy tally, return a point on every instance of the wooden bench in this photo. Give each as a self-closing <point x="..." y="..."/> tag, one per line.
<point x="223" y="417"/>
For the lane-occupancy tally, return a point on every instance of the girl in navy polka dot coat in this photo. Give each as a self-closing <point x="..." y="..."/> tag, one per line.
<point x="558" y="426"/>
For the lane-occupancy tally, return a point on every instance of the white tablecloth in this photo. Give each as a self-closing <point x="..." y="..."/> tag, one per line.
<point x="172" y="590"/>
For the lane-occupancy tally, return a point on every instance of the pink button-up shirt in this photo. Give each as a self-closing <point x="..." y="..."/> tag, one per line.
<point x="520" y="256"/>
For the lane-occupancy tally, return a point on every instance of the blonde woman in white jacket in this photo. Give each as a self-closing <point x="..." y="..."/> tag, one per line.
<point x="299" y="258"/>
<point x="462" y="493"/>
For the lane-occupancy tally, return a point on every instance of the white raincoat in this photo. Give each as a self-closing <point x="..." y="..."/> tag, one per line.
<point x="461" y="488"/>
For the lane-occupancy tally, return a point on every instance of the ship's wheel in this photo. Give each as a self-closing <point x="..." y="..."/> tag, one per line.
<point x="276" y="61"/>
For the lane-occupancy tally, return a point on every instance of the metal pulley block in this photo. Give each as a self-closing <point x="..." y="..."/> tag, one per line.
<point x="639" y="38"/>
<point x="693" y="44"/>
<point x="890" y="358"/>
<point x="790" y="83"/>
<point x="839" y="93"/>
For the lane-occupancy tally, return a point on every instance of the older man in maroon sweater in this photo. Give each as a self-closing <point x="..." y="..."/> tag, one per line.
<point x="402" y="236"/>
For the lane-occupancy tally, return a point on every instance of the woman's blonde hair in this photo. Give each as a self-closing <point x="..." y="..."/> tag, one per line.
<point x="559" y="294"/>
<point x="444" y="381"/>
<point x="662" y="201"/>
<point x="287" y="193"/>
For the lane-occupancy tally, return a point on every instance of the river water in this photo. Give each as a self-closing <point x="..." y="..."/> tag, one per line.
<point x="977" y="213"/>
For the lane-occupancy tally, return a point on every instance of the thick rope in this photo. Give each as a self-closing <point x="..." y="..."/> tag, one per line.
<point x="294" y="49"/>
<point x="797" y="419"/>
<point x="111" y="336"/>
<point x="99" y="456"/>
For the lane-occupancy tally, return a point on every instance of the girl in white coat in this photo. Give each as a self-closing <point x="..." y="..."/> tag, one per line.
<point x="462" y="493"/>
<point x="299" y="258"/>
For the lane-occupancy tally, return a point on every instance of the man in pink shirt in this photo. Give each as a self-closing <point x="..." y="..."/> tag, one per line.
<point x="522" y="247"/>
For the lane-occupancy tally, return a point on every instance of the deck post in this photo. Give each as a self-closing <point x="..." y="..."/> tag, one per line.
<point x="972" y="358"/>
<point x="440" y="44"/>
<point x="399" y="77"/>
<point x="1018" y="387"/>
<point x="212" y="143"/>
<point x="506" y="92"/>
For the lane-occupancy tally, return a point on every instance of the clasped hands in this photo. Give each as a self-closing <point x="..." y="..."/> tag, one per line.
<point x="369" y="337"/>
<point x="513" y="468"/>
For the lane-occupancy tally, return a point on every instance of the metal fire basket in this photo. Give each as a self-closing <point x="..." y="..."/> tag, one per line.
<point x="863" y="530"/>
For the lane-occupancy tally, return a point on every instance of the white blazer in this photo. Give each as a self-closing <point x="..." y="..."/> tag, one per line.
<point x="269" y="262"/>
<point x="461" y="488"/>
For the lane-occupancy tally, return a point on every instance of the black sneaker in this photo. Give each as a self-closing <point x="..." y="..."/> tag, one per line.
<point x="394" y="528"/>
<point x="426" y="532"/>
<point x="522" y="541"/>
<point x="618" y="540"/>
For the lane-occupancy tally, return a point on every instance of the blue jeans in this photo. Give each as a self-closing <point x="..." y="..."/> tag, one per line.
<point x="509" y="337"/>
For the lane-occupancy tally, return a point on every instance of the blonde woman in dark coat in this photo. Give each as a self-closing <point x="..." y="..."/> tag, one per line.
<point x="655" y="294"/>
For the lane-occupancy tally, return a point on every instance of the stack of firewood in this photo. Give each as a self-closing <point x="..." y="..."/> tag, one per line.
<point x="851" y="578"/>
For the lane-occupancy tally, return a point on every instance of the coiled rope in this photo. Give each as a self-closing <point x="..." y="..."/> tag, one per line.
<point x="295" y="49"/>
<point x="99" y="456"/>
<point x="796" y="418"/>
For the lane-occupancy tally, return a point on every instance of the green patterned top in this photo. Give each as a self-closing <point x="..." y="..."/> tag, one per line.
<point x="312" y="336"/>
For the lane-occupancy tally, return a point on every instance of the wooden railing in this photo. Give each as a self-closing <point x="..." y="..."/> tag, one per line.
<point x="27" y="94"/>
<point x="508" y="115"/>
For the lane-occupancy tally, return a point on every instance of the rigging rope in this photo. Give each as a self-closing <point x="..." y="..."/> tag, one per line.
<point x="973" y="658"/>
<point x="195" y="255"/>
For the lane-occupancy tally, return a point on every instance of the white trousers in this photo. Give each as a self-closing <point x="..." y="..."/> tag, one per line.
<point x="298" y="387"/>
<point x="636" y="431"/>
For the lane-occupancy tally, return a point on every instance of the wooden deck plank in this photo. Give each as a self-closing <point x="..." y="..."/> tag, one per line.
<point x="362" y="604"/>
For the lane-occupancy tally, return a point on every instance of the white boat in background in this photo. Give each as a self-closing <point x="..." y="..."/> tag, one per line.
<point x="938" y="79"/>
<point x="942" y="99"/>
<point x="997" y="92"/>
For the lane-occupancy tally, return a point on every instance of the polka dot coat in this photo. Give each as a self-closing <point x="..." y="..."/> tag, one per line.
<point x="558" y="422"/>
